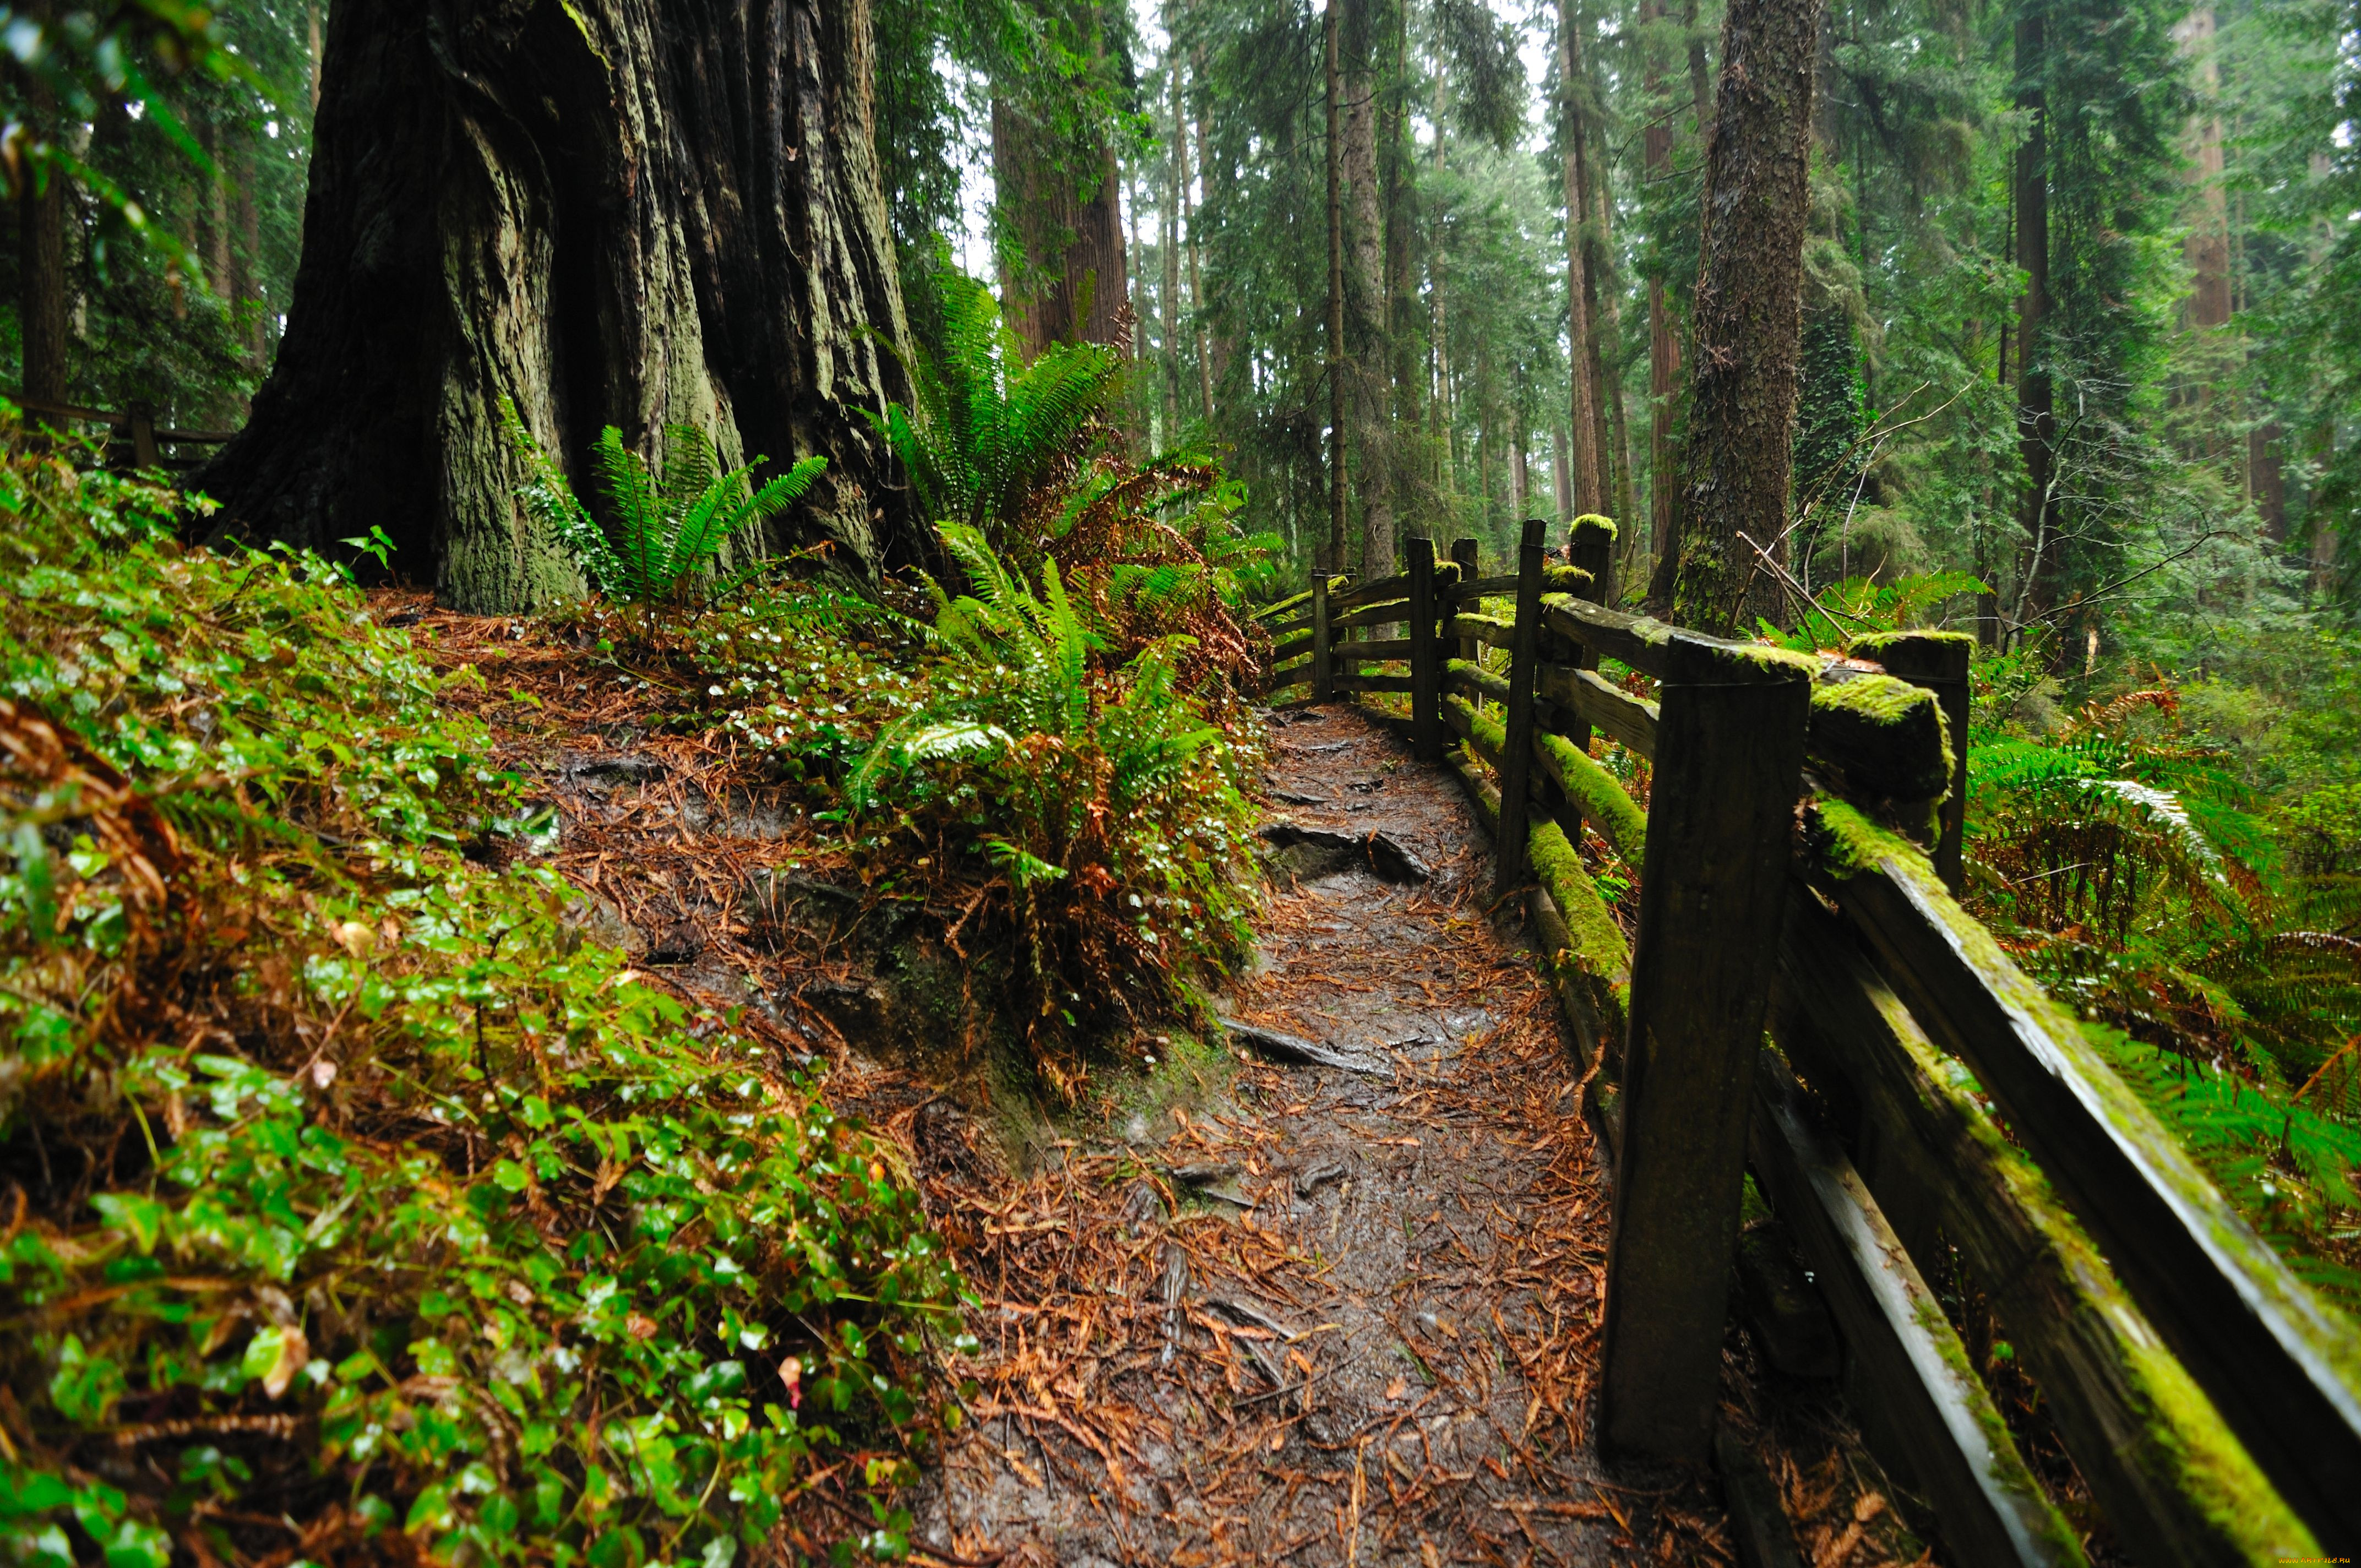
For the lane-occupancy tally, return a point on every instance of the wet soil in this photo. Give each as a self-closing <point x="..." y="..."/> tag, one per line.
<point x="1247" y="1310"/>
<point x="1376" y="1341"/>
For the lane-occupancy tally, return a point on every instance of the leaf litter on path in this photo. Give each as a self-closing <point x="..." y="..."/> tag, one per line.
<point x="1377" y="1343"/>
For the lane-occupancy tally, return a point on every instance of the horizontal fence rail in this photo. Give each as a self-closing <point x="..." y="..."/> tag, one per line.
<point x="135" y="437"/>
<point x="1806" y="999"/>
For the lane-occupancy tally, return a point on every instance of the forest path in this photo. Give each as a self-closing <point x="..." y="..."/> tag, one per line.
<point x="1345" y="1316"/>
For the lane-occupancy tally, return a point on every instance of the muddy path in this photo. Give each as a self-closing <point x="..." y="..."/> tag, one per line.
<point x="1241" y="1309"/>
<point x="1337" y="1316"/>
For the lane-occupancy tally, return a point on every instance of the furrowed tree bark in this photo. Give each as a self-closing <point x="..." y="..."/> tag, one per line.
<point x="1070" y="232"/>
<point x="1747" y="313"/>
<point x="614" y="211"/>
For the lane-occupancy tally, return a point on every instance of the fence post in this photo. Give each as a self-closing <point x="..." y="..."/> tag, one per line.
<point x="1517" y="753"/>
<point x="1729" y="755"/>
<point x="141" y="417"/>
<point x="1592" y="547"/>
<point x="1324" y="685"/>
<point x="1939" y="662"/>
<point x="1425" y="656"/>
<point x="1463" y="552"/>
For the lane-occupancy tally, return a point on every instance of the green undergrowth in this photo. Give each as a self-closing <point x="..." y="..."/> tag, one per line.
<point x="2290" y="1169"/>
<point x="344" y="1185"/>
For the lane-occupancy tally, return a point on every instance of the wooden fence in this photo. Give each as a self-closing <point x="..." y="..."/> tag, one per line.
<point x="134" y="438"/>
<point x="1805" y="998"/>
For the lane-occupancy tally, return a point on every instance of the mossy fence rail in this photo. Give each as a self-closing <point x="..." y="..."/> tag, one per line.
<point x="1805" y="998"/>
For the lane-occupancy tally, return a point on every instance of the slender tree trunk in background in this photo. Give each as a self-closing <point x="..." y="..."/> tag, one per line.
<point x="1446" y="456"/>
<point x="1520" y="480"/>
<point x="1171" y="248"/>
<point x="1594" y="358"/>
<point x="1405" y="369"/>
<point x="1196" y="279"/>
<point x="2036" y="425"/>
<point x="245" y="289"/>
<point x="1137" y="287"/>
<point x="42" y="315"/>
<point x="2266" y="479"/>
<point x="1700" y="76"/>
<point x="1748" y="314"/>
<point x="1337" y="499"/>
<point x="1366" y="354"/>
<point x="1611" y="384"/>
<point x="2207" y="248"/>
<point x="218" y="246"/>
<point x="1212" y="350"/>
<point x="1663" y="373"/>
<point x="1590" y="494"/>
<point x="2322" y="519"/>
<point x="1562" y="465"/>
<point x="610" y="213"/>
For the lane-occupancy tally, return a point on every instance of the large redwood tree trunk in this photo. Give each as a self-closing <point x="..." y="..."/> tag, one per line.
<point x="625" y="212"/>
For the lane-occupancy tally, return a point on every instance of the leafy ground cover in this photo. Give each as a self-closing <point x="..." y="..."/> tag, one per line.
<point x="354" y="1203"/>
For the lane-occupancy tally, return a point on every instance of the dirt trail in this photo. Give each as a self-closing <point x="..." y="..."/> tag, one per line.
<point x="1376" y="1341"/>
<point x="1301" y="1314"/>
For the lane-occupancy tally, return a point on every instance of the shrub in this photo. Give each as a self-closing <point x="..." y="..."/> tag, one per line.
<point x="351" y="1188"/>
<point x="1019" y="454"/>
<point x="1104" y="809"/>
<point x="670" y="528"/>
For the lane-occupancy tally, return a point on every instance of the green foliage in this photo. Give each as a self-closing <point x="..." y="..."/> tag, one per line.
<point x="990" y="431"/>
<point x="2119" y="858"/>
<point x="323" y="1129"/>
<point x="669" y="527"/>
<point x="1106" y="806"/>
<point x="2293" y="1173"/>
<point x="1860" y="606"/>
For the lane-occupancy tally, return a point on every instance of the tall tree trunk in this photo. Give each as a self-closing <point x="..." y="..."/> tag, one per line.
<point x="1365" y="299"/>
<point x="1562" y="461"/>
<point x="1589" y="493"/>
<point x="2266" y="479"/>
<point x="1338" y="449"/>
<point x="42" y="263"/>
<point x="1700" y="77"/>
<point x="2036" y="425"/>
<point x="2207" y="248"/>
<point x="1446" y="457"/>
<point x="1748" y="314"/>
<point x="1632" y="539"/>
<point x="1171" y="248"/>
<point x="1663" y="344"/>
<point x="246" y="288"/>
<point x="1137" y="286"/>
<point x="608" y="213"/>
<point x="1060" y="204"/>
<point x="1212" y="352"/>
<point x="1196" y="278"/>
